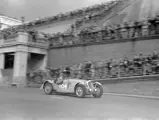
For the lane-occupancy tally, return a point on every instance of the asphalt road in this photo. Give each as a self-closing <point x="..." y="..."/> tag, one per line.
<point x="33" y="104"/>
<point x="147" y="88"/>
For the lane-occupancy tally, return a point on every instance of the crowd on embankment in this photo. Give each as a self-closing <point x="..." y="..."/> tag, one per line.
<point x="93" y="34"/>
<point x="111" y="33"/>
<point x="125" y="31"/>
<point x="139" y="65"/>
<point x="81" y="15"/>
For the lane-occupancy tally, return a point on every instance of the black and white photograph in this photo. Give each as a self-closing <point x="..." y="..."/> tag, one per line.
<point x="79" y="59"/>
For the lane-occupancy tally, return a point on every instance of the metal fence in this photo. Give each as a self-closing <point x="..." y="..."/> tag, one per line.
<point x="114" y="72"/>
<point x="96" y="72"/>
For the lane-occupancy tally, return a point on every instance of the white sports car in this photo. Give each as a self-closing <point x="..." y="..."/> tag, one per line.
<point x="78" y="87"/>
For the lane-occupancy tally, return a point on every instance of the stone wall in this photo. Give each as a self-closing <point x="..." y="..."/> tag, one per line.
<point x="98" y="52"/>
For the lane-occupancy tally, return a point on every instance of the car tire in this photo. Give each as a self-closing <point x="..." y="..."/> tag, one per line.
<point x="99" y="91"/>
<point x="80" y="91"/>
<point x="48" y="88"/>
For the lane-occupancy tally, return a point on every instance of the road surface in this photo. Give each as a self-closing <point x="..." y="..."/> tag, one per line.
<point x="33" y="104"/>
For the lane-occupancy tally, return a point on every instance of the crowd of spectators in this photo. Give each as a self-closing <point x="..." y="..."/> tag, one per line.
<point x="93" y="34"/>
<point x="87" y="12"/>
<point x="139" y="65"/>
<point x="97" y="14"/>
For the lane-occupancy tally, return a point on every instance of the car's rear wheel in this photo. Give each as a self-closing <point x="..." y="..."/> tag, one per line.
<point x="48" y="88"/>
<point x="80" y="91"/>
<point x="99" y="91"/>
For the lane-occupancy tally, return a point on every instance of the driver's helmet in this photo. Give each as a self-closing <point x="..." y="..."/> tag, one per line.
<point x="66" y="71"/>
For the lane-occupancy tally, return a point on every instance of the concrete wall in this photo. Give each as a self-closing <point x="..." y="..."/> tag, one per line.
<point x="6" y="72"/>
<point x="73" y="55"/>
<point x="6" y="76"/>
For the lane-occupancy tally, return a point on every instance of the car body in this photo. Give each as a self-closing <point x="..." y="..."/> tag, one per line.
<point x="79" y="87"/>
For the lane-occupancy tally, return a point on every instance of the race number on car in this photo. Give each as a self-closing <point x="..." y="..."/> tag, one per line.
<point x="63" y="86"/>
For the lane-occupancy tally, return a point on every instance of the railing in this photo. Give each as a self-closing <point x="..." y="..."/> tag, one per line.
<point x="98" y="72"/>
<point x="10" y="41"/>
<point x="13" y="39"/>
<point x="115" y="72"/>
<point x="133" y="30"/>
<point x="42" y="42"/>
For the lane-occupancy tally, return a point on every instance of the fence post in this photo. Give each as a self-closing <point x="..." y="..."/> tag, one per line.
<point x="143" y="70"/>
<point x="119" y="71"/>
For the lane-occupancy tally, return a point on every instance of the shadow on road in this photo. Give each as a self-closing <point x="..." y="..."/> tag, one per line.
<point x="72" y="95"/>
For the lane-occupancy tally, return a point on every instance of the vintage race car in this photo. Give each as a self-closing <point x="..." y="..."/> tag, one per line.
<point x="78" y="87"/>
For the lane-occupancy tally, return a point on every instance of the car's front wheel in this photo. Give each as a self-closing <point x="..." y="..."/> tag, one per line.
<point x="99" y="91"/>
<point x="80" y="91"/>
<point x="48" y="88"/>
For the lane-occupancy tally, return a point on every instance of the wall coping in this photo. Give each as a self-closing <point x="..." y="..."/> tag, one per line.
<point x="129" y="79"/>
<point x="108" y="42"/>
<point x="24" y="44"/>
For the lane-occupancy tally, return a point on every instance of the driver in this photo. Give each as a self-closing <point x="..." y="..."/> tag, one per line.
<point x="63" y="76"/>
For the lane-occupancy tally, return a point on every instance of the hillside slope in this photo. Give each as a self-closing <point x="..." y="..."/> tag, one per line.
<point x="109" y="15"/>
<point x="127" y="10"/>
<point x="136" y="10"/>
<point x="56" y="27"/>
